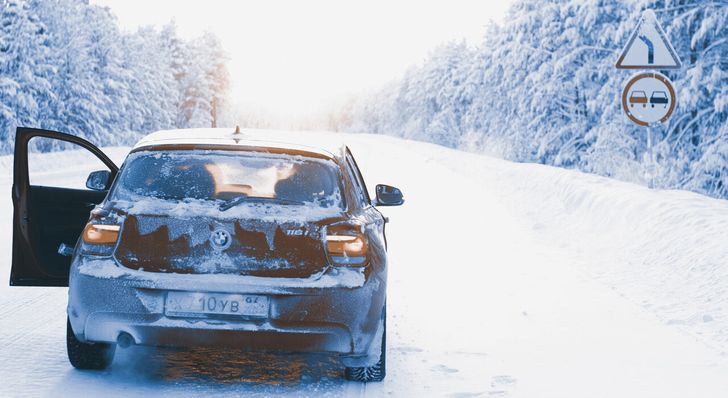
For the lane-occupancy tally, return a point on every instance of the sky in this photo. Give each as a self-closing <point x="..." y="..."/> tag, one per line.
<point x="291" y="59"/>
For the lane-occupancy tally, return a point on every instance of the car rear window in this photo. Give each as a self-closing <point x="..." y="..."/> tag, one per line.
<point x="230" y="176"/>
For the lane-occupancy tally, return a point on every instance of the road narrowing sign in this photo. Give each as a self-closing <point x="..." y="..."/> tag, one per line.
<point x="648" y="47"/>
<point x="648" y="98"/>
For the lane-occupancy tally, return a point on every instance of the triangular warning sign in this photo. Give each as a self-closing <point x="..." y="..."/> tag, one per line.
<point x="648" y="47"/>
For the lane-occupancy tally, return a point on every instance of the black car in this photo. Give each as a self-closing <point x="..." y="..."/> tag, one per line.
<point x="660" y="98"/>
<point x="211" y="237"/>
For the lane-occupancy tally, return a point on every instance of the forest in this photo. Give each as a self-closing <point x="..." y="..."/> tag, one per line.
<point x="66" y="66"/>
<point x="542" y="87"/>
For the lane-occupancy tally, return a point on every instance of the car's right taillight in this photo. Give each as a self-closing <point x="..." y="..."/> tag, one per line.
<point x="346" y="246"/>
<point x="99" y="239"/>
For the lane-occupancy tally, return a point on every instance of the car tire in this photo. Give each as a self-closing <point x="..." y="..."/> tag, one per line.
<point x="378" y="371"/>
<point x="88" y="356"/>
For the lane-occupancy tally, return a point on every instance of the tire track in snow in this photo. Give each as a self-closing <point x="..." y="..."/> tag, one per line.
<point x="24" y="300"/>
<point x="39" y="315"/>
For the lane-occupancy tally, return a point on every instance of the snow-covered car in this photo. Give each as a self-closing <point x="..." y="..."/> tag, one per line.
<point x="211" y="237"/>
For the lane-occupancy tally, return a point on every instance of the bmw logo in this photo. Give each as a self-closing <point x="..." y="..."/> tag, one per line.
<point x="220" y="239"/>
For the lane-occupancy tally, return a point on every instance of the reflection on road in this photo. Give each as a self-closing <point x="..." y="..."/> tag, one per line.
<point x="225" y="366"/>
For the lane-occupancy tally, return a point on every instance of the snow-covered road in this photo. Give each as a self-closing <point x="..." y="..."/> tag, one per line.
<point x="505" y="280"/>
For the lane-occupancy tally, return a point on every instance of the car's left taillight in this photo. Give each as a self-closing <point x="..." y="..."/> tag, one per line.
<point x="346" y="245"/>
<point x="99" y="239"/>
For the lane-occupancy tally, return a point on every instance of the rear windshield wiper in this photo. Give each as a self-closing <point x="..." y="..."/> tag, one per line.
<point x="227" y="205"/>
<point x="246" y="199"/>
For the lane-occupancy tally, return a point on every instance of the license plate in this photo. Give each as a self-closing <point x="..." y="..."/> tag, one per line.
<point x="200" y="304"/>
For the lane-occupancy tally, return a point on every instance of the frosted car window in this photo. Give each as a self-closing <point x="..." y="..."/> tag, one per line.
<point x="225" y="176"/>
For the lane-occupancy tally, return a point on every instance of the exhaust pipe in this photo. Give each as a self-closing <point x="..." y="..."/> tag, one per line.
<point x="125" y="340"/>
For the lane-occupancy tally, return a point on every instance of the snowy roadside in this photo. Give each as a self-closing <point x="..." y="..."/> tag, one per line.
<point x="664" y="250"/>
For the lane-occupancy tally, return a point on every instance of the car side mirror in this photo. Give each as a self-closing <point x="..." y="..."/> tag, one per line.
<point x="389" y="196"/>
<point x="98" y="180"/>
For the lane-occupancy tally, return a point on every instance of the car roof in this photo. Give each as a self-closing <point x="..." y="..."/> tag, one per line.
<point x="300" y="143"/>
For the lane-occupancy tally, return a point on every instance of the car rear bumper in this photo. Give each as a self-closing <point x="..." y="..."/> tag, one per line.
<point x="335" y="313"/>
<point x="160" y="330"/>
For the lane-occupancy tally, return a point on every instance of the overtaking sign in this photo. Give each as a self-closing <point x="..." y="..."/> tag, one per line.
<point x="648" y="47"/>
<point x="648" y="98"/>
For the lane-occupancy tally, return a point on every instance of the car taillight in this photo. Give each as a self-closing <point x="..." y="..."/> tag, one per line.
<point x="100" y="234"/>
<point x="346" y="246"/>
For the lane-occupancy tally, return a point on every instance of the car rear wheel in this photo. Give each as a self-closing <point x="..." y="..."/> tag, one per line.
<point x="93" y="356"/>
<point x="378" y="371"/>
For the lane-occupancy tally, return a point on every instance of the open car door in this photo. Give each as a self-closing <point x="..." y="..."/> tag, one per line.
<point x="45" y="217"/>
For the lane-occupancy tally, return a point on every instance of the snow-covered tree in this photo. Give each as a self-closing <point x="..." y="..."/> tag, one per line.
<point x="542" y="87"/>
<point x="65" y="65"/>
<point x="217" y="76"/>
<point x="25" y="70"/>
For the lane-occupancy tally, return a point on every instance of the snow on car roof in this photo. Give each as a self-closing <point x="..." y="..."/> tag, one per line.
<point x="255" y="138"/>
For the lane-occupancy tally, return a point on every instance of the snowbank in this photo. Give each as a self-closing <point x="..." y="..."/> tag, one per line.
<point x="662" y="249"/>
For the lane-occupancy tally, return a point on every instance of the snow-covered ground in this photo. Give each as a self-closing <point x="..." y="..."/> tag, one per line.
<point x="505" y="280"/>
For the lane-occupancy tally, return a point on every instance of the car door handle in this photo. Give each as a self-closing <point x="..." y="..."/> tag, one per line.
<point x="65" y="250"/>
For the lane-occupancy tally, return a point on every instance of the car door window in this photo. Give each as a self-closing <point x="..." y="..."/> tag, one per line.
<point x="356" y="177"/>
<point x="59" y="164"/>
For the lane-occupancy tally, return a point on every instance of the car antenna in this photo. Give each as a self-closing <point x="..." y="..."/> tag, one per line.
<point x="237" y="134"/>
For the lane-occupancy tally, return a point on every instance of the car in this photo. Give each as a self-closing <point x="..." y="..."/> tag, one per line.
<point x="659" y="97"/>
<point x="638" y="97"/>
<point x="211" y="237"/>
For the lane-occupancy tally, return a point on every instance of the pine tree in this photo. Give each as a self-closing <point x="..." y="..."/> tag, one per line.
<point x="65" y="66"/>
<point x="542" y="87"/>
<point x="25" y="89"/>
<point x="215" y="60"/>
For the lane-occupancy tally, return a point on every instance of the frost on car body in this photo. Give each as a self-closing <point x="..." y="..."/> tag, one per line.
<point x="208" y="237"/>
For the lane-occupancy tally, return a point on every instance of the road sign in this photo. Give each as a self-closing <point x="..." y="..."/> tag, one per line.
<point x="648" y="98"/>
<point x="648" y="47"/>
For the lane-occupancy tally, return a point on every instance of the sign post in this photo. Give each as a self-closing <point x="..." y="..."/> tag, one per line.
<point x="648" y="98"/>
